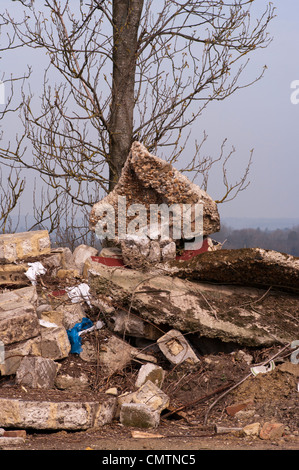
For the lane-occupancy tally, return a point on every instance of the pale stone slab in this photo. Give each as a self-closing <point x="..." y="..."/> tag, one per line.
<point x="47" y="415"/>
<point x="19" y="246"/>
<point x="18" y="319"/>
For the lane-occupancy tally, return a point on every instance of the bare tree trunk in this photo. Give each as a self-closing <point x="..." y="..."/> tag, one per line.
<point x="126" y="20"/>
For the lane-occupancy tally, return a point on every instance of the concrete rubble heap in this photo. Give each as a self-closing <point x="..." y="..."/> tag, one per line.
<point x="147" y="180"/>
<point x="109" y="311"/>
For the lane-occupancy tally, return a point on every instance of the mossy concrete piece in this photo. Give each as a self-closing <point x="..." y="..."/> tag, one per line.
<point x="50" y="415"/>
<point x="139" y="415"/>
<point x="247" y="316"/>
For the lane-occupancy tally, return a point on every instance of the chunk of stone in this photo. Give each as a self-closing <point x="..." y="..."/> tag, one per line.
<point x="72" y="314"/>
<point x="68" y="273"/>
<point x="37" y="372"/>
<point x="125" y="323"/>
<point x="139" y="415"/>
<point x="111" y="252"/>
<point x="15" y="352"/>
<point x="112" y="391"/>
<point x="176" y="348"/>
<point x="81" y="254"/>
<point x="24" y="245"/>
<point x="67" y="260"/>
<point x="150" y="372"/>
<point x="152" y="396"/>
<point x="68" y="382"/>
<point x="18" y="319"/>
<point x="252" y="429"/>
<point x="168" y="252"/>
<point x="148" y="394"/>
<point x="6" y="442"/>
<point x="54" y="343"/>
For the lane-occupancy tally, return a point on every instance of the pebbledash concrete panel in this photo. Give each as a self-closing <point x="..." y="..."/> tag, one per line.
<point x="49" y="415"/>
<point x="24" y="245"/>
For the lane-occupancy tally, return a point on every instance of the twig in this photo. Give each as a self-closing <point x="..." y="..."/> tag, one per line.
<point x="257" y="300"/>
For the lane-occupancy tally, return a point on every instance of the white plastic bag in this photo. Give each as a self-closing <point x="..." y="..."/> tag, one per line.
<point x="78" y="293"/>
<point x="36" y="269"/>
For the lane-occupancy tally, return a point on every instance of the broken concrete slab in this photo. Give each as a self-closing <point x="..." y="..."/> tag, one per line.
<point x="254" y="267"/>
<point x="37" y="372"/>
<point x="18" y="319"/>
<point x="53" y="415"/>
<point x="148" y="180"/>
<point x="176" y="348"/>
<point x="229" y="313"/>
<point x="24" y="245"/>
<point x="24" y="294"/>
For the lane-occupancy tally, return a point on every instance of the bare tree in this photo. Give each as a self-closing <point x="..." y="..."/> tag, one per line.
<point x="129" y="70"/>
<point x="12" y="183"/>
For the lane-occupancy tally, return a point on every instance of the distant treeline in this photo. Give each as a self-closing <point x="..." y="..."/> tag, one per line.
<point x="284" y="240"/>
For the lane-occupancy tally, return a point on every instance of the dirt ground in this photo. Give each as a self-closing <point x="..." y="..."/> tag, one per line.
<point x="196" y="406"/>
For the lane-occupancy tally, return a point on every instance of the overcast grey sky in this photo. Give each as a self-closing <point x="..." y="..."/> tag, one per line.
<point x="260" y="117"/>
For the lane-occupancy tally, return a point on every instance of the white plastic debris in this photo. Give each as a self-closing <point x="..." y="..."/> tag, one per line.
<point x="263" y="369"/>
<point x="36" y="269"/>
<point x="99" y="324"/>
<point x="47" y="324"/>
<point x="78" y="293"/>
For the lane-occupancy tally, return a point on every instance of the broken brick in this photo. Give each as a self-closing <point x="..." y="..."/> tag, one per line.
<point x="272" y="431"/>
<point x="236" y="407"/>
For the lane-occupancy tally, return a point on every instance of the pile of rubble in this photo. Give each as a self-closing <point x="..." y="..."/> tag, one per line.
<point x="89" y="338"/>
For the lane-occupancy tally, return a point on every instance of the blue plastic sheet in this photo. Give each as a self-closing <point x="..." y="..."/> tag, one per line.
<point x="74" y="337"/>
